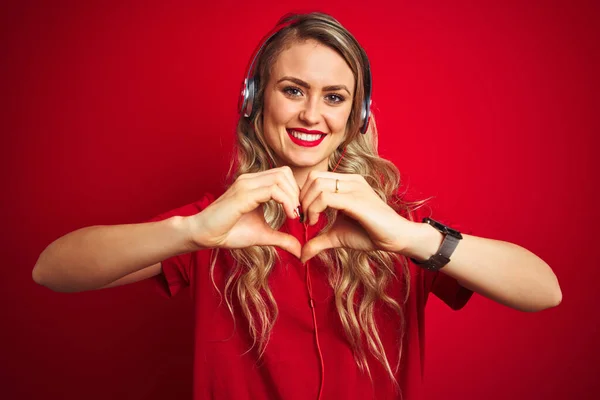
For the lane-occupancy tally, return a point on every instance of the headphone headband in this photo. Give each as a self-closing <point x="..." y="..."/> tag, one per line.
<point x="250" y="85"/>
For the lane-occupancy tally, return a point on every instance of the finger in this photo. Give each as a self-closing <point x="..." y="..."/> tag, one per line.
<point x="315" y="175"/>
<point x="315" y="246"/>
<point x="346" y="202"/>
<point x="284" y="241"/>
<point x="328" y="185"/>
<point x="288" y="177"/>
<point x="310" y="179"/>
<point x="317" y="206"/>
<point x="317" y="186"/>
<point x="291" y="185"/>
<point x="263" y="194"/>
<point x="279" y="176"/>
<point x="248" y="184"/>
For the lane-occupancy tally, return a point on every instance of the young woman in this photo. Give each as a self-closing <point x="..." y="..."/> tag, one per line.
<point x="309" y="273"/>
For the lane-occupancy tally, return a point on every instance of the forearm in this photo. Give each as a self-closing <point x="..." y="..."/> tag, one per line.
<point x="92" y="257"/>
<point x="499" y="270"/>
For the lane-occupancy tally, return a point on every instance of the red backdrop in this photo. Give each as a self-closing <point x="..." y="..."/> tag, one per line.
<point x="116" y="111"/>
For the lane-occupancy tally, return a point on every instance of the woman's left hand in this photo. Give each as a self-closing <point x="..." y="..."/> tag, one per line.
<point x="365" y="222"/>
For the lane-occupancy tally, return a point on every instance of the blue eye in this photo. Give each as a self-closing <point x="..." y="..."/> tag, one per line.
<point x="292" y="91"/>
<point x="335" y="98"/>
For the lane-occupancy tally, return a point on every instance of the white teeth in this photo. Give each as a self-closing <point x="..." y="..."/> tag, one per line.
<point x="305" y="136"/>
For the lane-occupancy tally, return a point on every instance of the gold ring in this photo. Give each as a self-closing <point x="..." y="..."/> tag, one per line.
<point x="337" y="187"/>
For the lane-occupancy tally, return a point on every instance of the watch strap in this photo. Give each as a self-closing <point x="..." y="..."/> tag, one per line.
<point x="449" y="244"/>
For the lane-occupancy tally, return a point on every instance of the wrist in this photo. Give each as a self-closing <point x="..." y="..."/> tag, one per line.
<point x="187" y="229"/>
<point x="425" y="242"/>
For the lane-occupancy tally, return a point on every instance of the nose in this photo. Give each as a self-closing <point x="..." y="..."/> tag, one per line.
<point x="310" y="113"/>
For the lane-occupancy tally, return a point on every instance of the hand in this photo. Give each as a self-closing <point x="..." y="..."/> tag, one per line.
<point x="365" y="222"/>
<point x="235" y="219"/>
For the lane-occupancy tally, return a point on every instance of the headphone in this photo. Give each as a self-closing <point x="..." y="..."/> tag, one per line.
<point x="250" y="86"/>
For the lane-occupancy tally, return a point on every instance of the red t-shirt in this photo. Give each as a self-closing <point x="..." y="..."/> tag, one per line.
<point x="290" y="367"/>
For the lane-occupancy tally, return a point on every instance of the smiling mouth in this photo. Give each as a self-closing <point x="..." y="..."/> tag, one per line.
<point x="305" y="139"/>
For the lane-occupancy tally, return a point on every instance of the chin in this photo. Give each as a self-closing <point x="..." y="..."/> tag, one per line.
<point x="301" y="160"/>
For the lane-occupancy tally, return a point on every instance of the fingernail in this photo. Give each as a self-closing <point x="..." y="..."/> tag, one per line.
<point x="297" y="213"/>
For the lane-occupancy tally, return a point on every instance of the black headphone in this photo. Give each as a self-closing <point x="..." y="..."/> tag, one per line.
<point x="250" y="87"/>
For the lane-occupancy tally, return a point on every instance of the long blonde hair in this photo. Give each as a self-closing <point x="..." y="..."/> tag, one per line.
<point x="350" y="271"/>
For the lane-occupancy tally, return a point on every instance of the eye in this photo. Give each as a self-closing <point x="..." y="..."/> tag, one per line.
<point x="335" y="98"/>
<point x="292" y="91"/>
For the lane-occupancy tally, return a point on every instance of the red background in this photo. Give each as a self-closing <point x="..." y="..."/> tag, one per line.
<point x="116" y="111"/>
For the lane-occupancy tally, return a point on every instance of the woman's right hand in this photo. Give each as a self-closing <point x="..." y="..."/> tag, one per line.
<point x="235" y="219"/>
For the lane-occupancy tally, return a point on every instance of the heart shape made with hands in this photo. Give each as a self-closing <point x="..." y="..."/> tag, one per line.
<point x="345" y="233"/>
<point x="364" y="221"/>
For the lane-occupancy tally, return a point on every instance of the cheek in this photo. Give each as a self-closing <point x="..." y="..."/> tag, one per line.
<point x="338" y="119"/>
<point x="277" y="110"/>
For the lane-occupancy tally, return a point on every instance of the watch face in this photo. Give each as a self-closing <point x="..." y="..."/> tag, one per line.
<point x="443" y="228"/>
<point x="453" y="232"/>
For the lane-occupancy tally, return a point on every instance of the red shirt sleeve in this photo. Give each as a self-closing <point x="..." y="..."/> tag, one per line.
<point x="448" y="289"/>
<point x="441" y="285"/>
<point x="177" y="270"/>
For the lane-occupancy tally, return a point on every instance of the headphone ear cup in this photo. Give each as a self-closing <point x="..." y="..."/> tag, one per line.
<point x="365" y="116"/>
<point x="243" y="97"/>
<point x="365" y="127"/>
<point x="250" y="90"/>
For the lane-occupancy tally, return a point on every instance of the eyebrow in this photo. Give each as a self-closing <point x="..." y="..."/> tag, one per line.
<point x="300" y="82"/>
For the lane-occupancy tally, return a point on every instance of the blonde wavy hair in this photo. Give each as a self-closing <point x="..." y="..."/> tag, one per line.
<point x="350" y="271"/>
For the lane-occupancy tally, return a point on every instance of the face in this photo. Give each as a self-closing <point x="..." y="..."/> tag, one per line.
<point x="307" y="103"/>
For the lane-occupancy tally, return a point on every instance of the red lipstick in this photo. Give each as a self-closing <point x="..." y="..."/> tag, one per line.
<point x="307" y="131"/>
<point x="306" y="143"/>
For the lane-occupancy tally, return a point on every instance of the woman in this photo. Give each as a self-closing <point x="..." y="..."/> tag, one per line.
<point x="300" y="271"/>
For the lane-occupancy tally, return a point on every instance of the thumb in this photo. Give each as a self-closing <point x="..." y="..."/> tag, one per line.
<point x="315" y="246"/>
<point x="284" y="241"/>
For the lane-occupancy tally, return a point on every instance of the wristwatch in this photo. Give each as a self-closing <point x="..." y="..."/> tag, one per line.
<point x="442" y="257"/>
